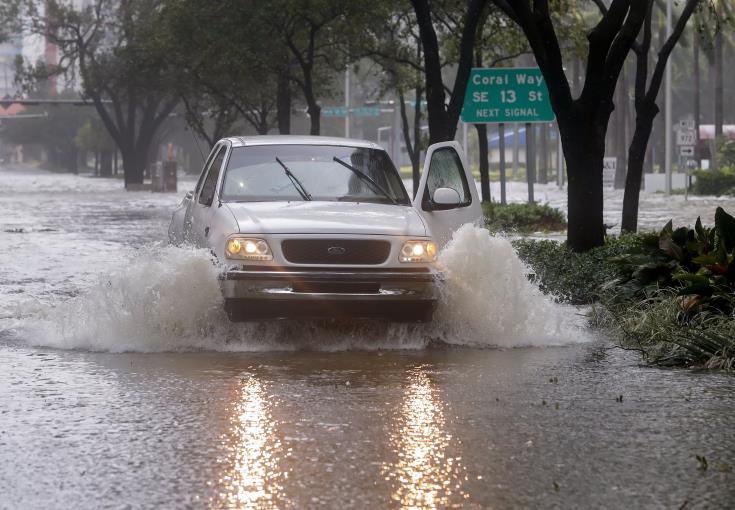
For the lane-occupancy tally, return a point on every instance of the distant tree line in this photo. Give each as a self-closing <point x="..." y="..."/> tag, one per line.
<point x="221" y="62"/>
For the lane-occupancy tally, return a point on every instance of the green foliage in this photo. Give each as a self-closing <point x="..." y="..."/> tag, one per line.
<point x="669" y="295"/>
<point x="697" y="261"/>
<point x="666" y="334"/>
<point x="523" y="218"/>
<point x="726" y="154"/>
<point x="573" y="277"/>
<point x="715" y="182"/>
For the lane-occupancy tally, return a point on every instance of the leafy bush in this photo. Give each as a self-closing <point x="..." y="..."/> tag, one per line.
<point x="726" y="154"/>
<point x="523" y="218"/>
<point x="714" y="182"/>
<point x="698" y="261"/>
<point x="670" y="296"/>
<point x="657" y="327"/>
<point x="576" y="278"/>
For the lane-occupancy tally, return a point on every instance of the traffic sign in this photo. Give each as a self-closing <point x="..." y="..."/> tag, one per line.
<point x="504" y="94"/>
<point x="342" y="111"/>
<point x="687" y="150"/>
<point x="686" y="124"/>
<point x="366" y="111"/>
<point x="334" y="111"/>
<point x="686" y="137"/>
<point x="609" y="169"/>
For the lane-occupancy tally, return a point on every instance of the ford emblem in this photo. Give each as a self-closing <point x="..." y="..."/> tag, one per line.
<point x="336" y="250"/>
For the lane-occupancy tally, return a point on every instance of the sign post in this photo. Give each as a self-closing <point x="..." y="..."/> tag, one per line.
<point x="686" y="140"/>
<point x="503" y="95"/>
<point x="530" y="160"/>
<point x="501" y="155"/>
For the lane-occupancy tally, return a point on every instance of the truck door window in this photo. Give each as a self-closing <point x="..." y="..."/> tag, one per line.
<point x="210" y="182"/>
<point x="446" y="171"/>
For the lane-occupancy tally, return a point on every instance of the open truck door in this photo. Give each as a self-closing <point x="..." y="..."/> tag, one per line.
<point x="447" y="195"/>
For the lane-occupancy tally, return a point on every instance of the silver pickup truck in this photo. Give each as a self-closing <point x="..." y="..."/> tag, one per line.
<point x="310" y="227"/>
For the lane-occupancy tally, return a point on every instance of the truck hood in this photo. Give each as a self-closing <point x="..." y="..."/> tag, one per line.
<point x="327" y="217"/>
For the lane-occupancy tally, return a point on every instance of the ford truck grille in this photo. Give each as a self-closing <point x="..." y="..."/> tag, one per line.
<point x="335" y="251"/>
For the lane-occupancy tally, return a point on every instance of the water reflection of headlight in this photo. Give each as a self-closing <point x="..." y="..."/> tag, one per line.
<point x="253" y="476"/>
<point x="424" y="476"/>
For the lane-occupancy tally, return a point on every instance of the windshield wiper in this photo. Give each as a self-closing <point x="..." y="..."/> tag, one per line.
<point x="295" y="181"/>
<point x="377" y="187"/>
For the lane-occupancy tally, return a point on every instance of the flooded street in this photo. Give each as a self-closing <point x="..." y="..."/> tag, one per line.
<point x="121" y="386"/>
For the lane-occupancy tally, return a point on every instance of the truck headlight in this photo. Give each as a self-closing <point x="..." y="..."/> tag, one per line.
<point x="418" y="251"/>
<point x="247" y="248"/>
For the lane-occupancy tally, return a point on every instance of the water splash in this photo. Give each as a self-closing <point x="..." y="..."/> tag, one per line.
<point x="488" y="300"/>
<point x="163" y="298"/>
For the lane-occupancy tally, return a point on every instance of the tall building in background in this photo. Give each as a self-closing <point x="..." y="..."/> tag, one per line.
<point x="9" y="51"/>
<point x="35" y="48"/>
<point x="51" y="57"/>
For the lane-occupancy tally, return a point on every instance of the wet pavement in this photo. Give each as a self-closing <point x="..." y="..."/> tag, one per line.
<point x="283" y="424"/>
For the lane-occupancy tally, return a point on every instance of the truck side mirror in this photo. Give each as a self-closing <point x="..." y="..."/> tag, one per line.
<point x="445" y="198"/>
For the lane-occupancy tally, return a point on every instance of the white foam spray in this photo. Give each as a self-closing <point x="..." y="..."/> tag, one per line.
<point x="163" y="298"/>
<point x="488" y="300"/>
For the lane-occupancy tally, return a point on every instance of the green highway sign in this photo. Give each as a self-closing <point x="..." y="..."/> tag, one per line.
<point x="505" y="94"/>
<point x="342" y="111"/>
<point x="334" y="111"/>
<point x="366" y="111"/>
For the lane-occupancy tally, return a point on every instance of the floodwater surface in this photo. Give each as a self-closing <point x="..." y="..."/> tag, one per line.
<point x="122" y="385"/>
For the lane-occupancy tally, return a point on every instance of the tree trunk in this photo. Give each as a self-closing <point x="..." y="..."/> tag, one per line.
<point x="439" y="130"/>
<point x="105" y="169"/>
<point x="697" y="94"/>
<point x="413" y="148"/>
<point x="584" y="150"/>
<point x="484" y="164"/>
<point x="133" y="166"/>
<point x="443" y="117"/>
<point x="417" y="143"/>
<point x="72" y="160"/>
<point x="283" y="104"/>
<point x="636" y="159"/>
<point x="621" y="130"/>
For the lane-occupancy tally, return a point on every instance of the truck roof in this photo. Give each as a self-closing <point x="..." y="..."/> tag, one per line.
<point x="240" y="141"/>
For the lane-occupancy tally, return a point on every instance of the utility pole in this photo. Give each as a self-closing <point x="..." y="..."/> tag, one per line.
<point x="667" y="120"/>
<point x="501" y="150"/>
<point x="347" y="102"/>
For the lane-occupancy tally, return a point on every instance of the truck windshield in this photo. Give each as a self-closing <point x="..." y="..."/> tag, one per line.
<point x="254" y="174"/>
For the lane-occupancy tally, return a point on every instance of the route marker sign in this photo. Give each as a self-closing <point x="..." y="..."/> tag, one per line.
<point x="505" y="94"/>
<point x="686" y="137"/>
<point x="686" y="151"/>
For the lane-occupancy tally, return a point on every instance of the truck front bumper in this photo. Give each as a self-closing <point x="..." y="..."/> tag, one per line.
<point x="391" y="294"/>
